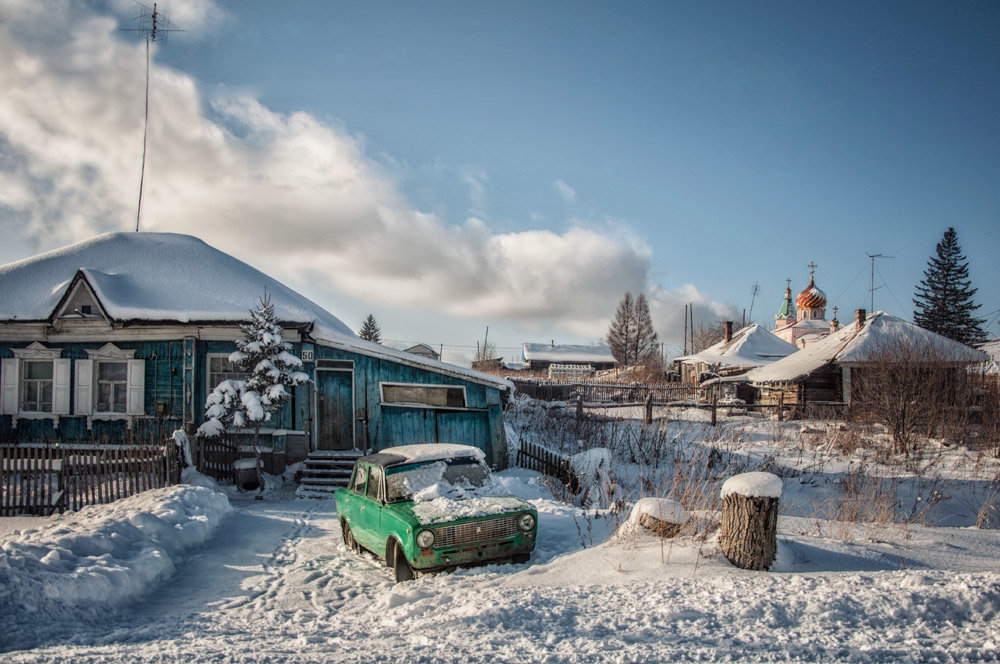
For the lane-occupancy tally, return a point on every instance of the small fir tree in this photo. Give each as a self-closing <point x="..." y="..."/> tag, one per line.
<point x="944" y="297"/>
<point x="271" y="373"/>
<point x="370" y="330"/>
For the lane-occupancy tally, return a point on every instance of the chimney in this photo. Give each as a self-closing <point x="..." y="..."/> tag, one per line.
<point x="859" y="316"/>
<point x="729" y="330"/>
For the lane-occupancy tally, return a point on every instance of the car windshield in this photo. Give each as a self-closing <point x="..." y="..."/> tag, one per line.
<point x="433" y="478"/>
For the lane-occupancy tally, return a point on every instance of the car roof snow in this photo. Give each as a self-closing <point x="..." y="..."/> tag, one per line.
<point x="404" y="454"/>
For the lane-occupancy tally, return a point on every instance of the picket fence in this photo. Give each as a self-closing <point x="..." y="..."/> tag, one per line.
<point x="43" y="479"/>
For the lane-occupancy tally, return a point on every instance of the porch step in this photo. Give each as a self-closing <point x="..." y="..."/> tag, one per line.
<point x="325" y="471"/>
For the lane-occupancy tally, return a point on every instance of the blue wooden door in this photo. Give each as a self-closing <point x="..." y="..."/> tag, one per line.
<point x="334" y="410"/>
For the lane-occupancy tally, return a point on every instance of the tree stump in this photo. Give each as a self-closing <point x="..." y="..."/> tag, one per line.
<point x="748" y="536"/>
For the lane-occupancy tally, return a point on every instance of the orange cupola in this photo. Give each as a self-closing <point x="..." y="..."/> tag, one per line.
<point x="811" y="297"/>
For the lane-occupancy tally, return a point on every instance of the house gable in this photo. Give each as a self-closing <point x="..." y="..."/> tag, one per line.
<point x="79" y="302"/>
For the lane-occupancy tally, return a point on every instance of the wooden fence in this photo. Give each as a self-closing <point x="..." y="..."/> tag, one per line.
<point x="537" y="458"/>
<point x="608" y="393"/>
<point x="41" y="480"/>
<point x="215" y="456"/>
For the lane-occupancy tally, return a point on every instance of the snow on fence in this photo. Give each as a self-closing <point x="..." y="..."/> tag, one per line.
<point x="570" y="371"/>
<point x="537" y="458"/>
<point x="608" y="393"/>
<point x="42" y="480"/>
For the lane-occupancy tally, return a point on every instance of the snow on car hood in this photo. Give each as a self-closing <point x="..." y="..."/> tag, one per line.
<point x="442" y="508"/>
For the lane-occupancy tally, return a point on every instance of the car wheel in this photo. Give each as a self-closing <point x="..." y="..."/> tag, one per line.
<point x="400" y="565"/>
<point x="349" y="540"/>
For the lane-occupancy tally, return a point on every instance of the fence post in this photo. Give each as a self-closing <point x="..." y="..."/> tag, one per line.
<point x="715" y="402"/>
<point x="781" y="406"/>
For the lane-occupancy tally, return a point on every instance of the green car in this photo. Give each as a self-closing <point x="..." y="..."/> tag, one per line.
<point x="422" y="508"/>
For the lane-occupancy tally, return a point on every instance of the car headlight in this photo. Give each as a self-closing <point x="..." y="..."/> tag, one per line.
<point x="526" y="522"/>
<point x="425" y="539"/>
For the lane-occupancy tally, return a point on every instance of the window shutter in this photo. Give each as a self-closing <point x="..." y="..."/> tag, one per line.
<point x="60" y="386"/>
<point x="8" y="385"/>
<point x="136" y="387"/>
<point x="83" y="396"/>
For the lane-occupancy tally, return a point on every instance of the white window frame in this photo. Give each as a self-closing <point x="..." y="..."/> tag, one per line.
<point x="11" y="371"/>
<point x="85" y="387"/>
<point x="418" y="404"/>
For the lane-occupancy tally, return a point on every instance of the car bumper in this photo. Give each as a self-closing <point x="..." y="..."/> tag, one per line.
<point x="472" y="553"/>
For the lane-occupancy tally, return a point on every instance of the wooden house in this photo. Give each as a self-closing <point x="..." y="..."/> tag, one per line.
<point x="751" y="346"/>
<point x="424" y="351"/>
<point x="538" y="357"/>
<point x="827" y="371"/>
<point x="122" y="338"/>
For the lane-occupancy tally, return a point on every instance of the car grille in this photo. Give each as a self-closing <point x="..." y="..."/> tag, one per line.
<point x="476" y="531"/>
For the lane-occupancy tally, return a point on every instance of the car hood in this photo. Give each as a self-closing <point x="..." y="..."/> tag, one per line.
<point x="444" y="510"/>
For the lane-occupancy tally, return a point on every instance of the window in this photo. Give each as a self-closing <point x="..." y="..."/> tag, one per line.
<point x="374" y="483"/>
<point x="34" y="383"/>
<point x="112" y="387"/>
<point x="220" y="369"/>
<point x="433" y="396"/>
<point x="36" y="386"/>
<point x="360" y="475"/>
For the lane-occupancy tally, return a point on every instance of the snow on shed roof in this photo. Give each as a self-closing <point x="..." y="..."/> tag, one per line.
<point x="171" y="277"/>
<point x="568" y="353"/>
<point x="851" y="345"/>
<point x="752" y="346"/>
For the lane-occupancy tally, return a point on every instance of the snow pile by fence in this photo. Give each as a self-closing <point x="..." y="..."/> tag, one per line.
<point x="105" y="555"/>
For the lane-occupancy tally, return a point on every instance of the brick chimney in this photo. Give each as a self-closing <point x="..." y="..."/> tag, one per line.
<point x="729" y="330"/>
<point x="859" y="316"/>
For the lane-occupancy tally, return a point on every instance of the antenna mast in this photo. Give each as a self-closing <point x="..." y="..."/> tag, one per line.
<point x="153" y="23"/>
<point x="872" y="288"/>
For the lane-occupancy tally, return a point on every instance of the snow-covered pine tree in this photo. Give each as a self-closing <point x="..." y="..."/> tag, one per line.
<point x="370" y="330"/>
<point x="943" y="298"/>
<point x="271" y="372"/>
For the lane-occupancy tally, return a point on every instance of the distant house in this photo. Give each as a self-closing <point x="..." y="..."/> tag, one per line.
<point x="123" y="336"/>
<point x="538" y="357"/>
<point x="750" y="347"/>
<point x="991" y="367"/>
<point x="823" y="371"/>
<point x="424" y="351"/>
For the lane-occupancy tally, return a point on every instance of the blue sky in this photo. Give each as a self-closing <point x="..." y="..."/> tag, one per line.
<point x="452" y="165"/>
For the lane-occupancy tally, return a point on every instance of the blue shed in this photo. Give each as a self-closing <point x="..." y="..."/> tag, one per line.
<point x="123" y="336"/>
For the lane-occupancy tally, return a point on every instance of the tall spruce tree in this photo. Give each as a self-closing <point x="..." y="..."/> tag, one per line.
<point x="370" y="330"/>
<point x="631" y="334"/>
<point x="943" y="298"/>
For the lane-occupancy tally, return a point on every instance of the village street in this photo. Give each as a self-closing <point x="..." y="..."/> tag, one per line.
<point x="275" y="584"/>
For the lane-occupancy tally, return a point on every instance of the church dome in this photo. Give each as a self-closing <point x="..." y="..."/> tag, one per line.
<point x="811" y="297"/>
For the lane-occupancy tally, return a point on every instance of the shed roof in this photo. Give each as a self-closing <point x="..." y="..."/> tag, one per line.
<point x="752" y="346"/>
<point x="568" y="353"/>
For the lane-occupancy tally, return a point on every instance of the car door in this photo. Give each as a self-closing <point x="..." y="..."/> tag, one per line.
<point x="367" y="523"/>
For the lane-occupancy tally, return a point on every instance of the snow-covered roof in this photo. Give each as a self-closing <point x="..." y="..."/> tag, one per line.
<point x="568" y="353"/>
<point x="851" y="345"/>
<point x="168" y="277"/>
<point x="752" y="346"/>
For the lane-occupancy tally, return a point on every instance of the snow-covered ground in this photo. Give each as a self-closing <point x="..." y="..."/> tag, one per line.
<point x="192" y="573"/>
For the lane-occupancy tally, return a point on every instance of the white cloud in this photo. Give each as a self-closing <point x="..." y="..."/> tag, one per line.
<point x="566" y="192"/>
<point x="293" y="195"/>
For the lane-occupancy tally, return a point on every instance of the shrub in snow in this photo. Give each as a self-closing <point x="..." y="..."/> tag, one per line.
<point x="592" y="468"/>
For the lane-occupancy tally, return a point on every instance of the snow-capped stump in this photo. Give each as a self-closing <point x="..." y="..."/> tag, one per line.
<point x="661" y="515"/>
<point x="749" y="533"/>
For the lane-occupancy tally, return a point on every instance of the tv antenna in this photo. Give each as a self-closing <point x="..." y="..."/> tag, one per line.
<point x="156" y="25"/>
<point x="753" y="298"/>
<point x="873" y="257"/>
